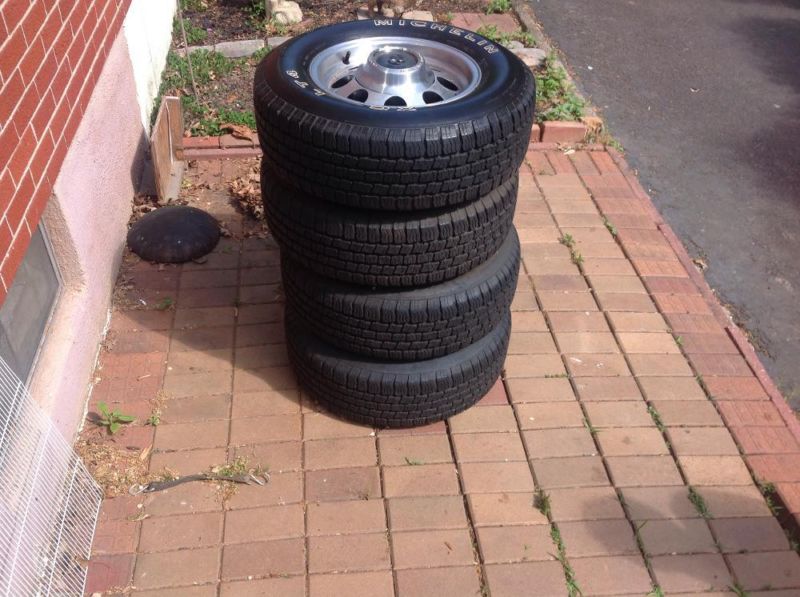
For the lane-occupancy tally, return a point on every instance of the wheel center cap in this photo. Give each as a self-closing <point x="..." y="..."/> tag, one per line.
<point x="394" y="70"/>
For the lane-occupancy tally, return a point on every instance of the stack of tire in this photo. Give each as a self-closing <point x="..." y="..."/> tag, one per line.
<point x="394" y="214"/>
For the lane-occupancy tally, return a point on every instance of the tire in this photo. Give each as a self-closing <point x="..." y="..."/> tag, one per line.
<point x="393" y="157"/>
<point x="384" y="394"/>
<point x="374" y="248"/>
<point x="409" y="325"/>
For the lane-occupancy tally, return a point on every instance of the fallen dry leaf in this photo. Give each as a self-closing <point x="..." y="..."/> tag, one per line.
<point x="239" y="131"/>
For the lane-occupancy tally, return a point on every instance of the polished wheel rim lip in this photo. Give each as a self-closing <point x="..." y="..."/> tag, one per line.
<point x="395" y="71"/>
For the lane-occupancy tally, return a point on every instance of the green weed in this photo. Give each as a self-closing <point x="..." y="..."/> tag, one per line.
<point x="699" y="503"/>
<point x="498" y="6"/>
<point x="194" y="35"/>
<point x="491" y="32"/>
<point x="112" y="420"/>
<point x="556" y="98"/>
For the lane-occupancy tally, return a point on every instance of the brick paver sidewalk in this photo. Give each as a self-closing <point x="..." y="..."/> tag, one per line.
<point x="608" y="459"/>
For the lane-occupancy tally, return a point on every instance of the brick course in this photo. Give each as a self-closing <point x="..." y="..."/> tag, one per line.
<point x="50" y="60"/>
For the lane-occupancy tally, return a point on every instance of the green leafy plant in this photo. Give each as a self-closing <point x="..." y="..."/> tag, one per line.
<point x="555" y="95"/>
<point x="611" y="228"/>
<point x="112" y="420"/>
<point x="166" y="303"/>
<point x="491" y="32"/>
<point x="699" y="503"/>
<point x="495" y="6"/>
<point x="194" y="5"/>
<point x="194" y="35"/>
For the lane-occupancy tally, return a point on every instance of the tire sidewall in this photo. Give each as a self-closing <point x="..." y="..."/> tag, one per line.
<point x="286" y="71"/>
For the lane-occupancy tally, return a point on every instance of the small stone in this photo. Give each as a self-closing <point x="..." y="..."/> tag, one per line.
<point x="532" y="57"/>
<point x="239" y="48"/>
<point x="363" y="13"/>
<point x="193" y="49"/>
<point x="515" y="45"/>
<point x="387" y="12"/>
<point x="284" y="12"/>
<point x="274" y="42"/>
<point x="418" y="15"/>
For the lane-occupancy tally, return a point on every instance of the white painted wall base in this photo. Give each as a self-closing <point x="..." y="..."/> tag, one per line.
<point x="86" y="219"/>
<point x="148" y="31"/>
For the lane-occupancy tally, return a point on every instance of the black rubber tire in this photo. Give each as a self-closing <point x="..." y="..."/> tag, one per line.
<point x="408" y="325"/>
<point x="385" y="249"/>
<point x="393" y="158"/>
<point x="387" y="394"/>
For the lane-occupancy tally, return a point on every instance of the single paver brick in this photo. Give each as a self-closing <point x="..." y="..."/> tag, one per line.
<point x="597" y="538"/>
<point x="581" y="471"/>
<point x="737" y="535"/>
<point x="550" y="415"/>
<point x="366" y="584"/>
<point x="274" y="456"/>
<point x="344" y="553"/>
<point x="607" y="388"/>
<point x="625" y="301"/>
<point x="339" y="518"/>
<point x="447" y="582"/>
<point x="596" y="365"/>
<point x="687" y="413"/>
<point x="340" y="453"/>
<point x="637" y="322"/>
<point x="264" y="524"/>
<point x="560" y="282"/>
<point x="777" y="468"/>
<point x="410" y="449"/>
<point x="268" y="558"/>
<point x="527" y="321"/>
<point x="677" y="536"/>
<point x="489" y="418"/>
<point x="492" y="509"/>
<point x="432" y="548"/>
<point x="553" y="443"/>
<point x="758" y="571"/>
<point x="659" y="365"/>
<point x="702" y="441"/>
<point x="174" y="568"/>
<point x="750" y="413"/>
<point x="531" y="343"/>
<point x="491" y="477"/>
<point x="579" y="321"/>
<point x="421" y="480"/>
<point x="264" y="379"/>
<point x="632" y="441"/>
<point x="343" y="484"/>
<point x="191" y="531"/>
<point x="715" y="470"/>
<point x="183" y="499"/>
<point x="554" y="389"/>
<point x="567" y="301"/>
<point x="106" y="572"/>
<point x="735" y="501"/>
<point x="685" y="573"/>
<point x="587" y="342"/>
<point x="515" y="544"/>
<point x="585" y="503"/>
<point x="418" y="513"/>
<point x="187" y="462"/>
<point x="488" y="447"/>
<point x="643" y="471"/>
<point x="256" y="430"/>
<point x="616" y="575"/>
<point x="618" y="414"/>
<point x="543" y="365"/>
<point x="658" y="503"/>
<point x="671" y="388"/>
<point x="766" y="440"/>
<point x="648" y="343"/>
<point x="736" y="388"/>
<point x="182" y="385"/>
<point x="526" y="578"/>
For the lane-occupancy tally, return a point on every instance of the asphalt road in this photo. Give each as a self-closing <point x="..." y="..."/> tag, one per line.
<point x="705" y="97"/>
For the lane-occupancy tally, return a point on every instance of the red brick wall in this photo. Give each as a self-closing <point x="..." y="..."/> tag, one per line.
<point x="51" y="55"/>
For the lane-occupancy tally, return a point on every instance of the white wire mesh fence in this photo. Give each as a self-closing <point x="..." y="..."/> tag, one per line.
<point x="49" y="502"/>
